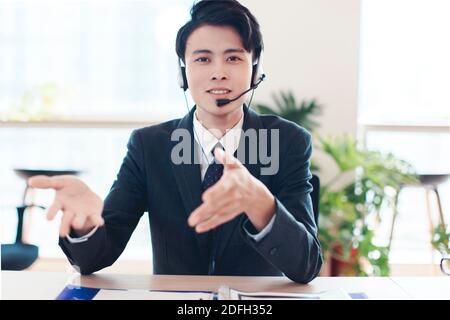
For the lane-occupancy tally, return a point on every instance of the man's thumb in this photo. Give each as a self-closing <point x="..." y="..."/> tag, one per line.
<point x="225" y="158"/>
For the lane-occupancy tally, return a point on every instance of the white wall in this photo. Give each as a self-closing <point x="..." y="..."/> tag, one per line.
<point x="312" y="48"/>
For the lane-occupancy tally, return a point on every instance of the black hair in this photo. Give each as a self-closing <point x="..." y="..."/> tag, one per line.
<point x="222" y="13"/>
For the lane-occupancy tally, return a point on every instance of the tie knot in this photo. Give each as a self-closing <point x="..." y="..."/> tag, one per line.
<point x="218" y="145"/>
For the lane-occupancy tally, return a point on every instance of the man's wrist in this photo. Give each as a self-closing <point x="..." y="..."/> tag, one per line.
<point x="262" y="206"/>
<point x="78" y="239"/>
<point x="83" y="231"/>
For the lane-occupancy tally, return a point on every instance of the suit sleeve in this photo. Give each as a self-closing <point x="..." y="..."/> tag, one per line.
<point x="123" y="207"/>
<point x="292" y="244"/>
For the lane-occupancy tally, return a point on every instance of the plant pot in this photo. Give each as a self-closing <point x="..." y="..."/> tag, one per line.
<point x="341" y="267"/>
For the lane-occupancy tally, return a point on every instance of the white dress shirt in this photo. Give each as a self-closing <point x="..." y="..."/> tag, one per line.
<point x="207" y="141"/>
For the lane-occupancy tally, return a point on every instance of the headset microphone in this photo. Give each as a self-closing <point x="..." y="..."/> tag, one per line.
<point x="223" y="102"/>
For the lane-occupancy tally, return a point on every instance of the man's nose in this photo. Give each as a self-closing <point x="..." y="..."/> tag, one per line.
<point x="220" y="72"/>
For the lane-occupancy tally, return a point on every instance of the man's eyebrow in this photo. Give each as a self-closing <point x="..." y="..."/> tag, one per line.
<point x="201" y="51"/>
<point x="231" y="50"/>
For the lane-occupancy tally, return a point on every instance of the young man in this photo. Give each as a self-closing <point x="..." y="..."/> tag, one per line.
<point x="216" y="215"/>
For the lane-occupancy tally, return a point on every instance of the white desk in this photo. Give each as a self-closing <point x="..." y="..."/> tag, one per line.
<point x="47" y="285"/>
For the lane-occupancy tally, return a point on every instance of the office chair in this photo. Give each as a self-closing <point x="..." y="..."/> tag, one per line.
<point x="429" y="182"/>
<point x="315" y="197"/>
<point x="20" y="255"/>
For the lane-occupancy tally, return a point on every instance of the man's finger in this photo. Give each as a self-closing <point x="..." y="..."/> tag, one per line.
<point x="46" y="182"/>
<point x="225" y="215"/>
<point x="207" y="210"/>
<point x="79" y="220"/>
<point x="199" y="214"/>
<point x="66" y="221"/>
<point x="228" y="160"/>
<point x="202" y="213"/>
<point x="205" y="225"/>
<point x="97" y="220"/>
<point x="41" y="182"/>
<point x="53" y="210"/>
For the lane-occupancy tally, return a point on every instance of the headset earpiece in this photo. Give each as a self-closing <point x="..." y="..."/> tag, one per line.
<point x="257" y="72"/>
<point x="182" y="80"/>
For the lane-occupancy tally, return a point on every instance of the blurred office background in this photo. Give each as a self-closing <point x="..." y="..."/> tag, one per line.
<point x="76" y="77"/>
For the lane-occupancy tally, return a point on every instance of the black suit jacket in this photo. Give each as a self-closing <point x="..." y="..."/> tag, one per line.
<point x="149" y="181"/>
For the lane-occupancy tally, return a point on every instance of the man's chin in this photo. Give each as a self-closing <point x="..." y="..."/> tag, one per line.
<point x="220" y="111"/>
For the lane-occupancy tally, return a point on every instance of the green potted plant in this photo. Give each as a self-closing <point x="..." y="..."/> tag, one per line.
<point x="350" y="202"/>
<point x="287" y="107"/>
<point x="350" y="207"/>
<point x="300" y="112"/>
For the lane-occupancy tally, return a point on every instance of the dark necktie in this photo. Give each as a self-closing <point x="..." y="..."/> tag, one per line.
<point x="212" y="175"/>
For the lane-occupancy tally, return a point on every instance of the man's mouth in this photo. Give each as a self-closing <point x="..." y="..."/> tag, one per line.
<point x="219" y="91"/>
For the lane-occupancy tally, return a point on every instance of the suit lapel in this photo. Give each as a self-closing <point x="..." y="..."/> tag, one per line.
<point x="188" y="175"/>
<point x="188" y="179"/>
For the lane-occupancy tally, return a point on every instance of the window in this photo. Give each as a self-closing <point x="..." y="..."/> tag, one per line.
<point x="92" y="58"/>
<point x="404" y="65"/>
<point x="404" y="104"/>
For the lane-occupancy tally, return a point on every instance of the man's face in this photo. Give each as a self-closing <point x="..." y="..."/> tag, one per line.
<point x="217" y="67"/>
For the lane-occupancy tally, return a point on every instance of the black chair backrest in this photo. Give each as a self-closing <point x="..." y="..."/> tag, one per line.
<point x="315" y="196"/>
<point x="19" y="255"/>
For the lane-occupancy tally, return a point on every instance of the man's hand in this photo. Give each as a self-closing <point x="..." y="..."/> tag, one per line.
<point x="82" y="208"/>
<point x="237" y="191"/>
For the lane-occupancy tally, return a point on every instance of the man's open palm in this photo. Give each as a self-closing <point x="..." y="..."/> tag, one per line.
<point x="82" y="208"/>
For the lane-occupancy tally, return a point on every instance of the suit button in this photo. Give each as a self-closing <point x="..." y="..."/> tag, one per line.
<point x="273" y="251"/>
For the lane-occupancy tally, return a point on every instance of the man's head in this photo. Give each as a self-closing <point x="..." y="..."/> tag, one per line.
<point x="219" y="46"/>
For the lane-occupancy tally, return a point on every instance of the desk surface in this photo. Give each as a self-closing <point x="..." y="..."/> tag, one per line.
<point x="47" y="285"/>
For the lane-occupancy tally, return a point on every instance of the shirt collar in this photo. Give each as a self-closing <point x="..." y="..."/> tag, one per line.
<point x="230" y="141"/>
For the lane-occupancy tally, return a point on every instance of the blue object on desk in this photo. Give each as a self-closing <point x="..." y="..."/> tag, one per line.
<point x="77" y="293"/>
<point x="358" y="295"/>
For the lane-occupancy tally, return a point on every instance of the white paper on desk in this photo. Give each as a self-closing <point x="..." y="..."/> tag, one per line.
<point x="136" y="294"/>
<point x="226" y="293"/>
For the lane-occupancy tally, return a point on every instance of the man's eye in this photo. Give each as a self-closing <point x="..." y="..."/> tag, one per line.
<point x="233" y="59"/>
<point x="202" y="59"/>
